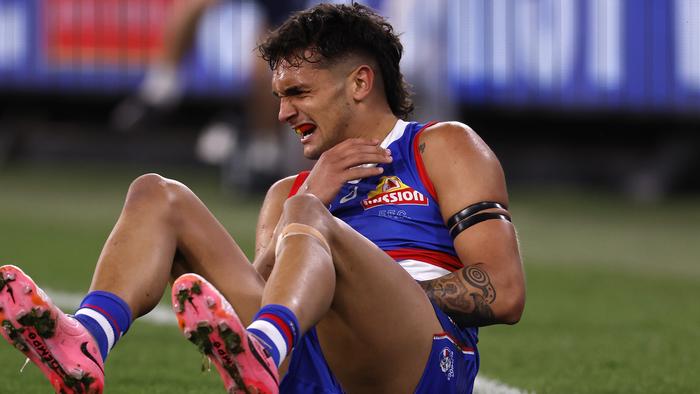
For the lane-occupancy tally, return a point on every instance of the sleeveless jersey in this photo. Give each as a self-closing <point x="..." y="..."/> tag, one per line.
<point x="398" y="210"/>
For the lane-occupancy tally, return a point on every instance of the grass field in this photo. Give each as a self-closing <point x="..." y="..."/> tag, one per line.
<point x="611" y="285"/>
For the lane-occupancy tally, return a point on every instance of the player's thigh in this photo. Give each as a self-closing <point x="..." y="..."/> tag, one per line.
<point x="381" y="321"/>
<point x="206" y="248"/>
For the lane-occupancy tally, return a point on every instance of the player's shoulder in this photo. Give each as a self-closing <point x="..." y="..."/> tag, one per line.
<point x="444" y="138"/>
<point x="461" y="166"/>
<point x="448" y="130"/>
<point x="283" y="186"/>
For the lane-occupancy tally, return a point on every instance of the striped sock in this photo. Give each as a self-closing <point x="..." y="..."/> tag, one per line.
<point x="277" y="328"/>
<point x="106" y="316"/>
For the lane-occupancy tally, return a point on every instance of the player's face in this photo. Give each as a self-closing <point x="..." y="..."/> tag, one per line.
<point x="315" y="103"/>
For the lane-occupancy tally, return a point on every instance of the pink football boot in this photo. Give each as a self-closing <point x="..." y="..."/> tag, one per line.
<point x="209" y="321"/>
<point x="59" y="345"/>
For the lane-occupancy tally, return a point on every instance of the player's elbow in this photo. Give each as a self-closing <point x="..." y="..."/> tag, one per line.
<point x="512" y="310"/>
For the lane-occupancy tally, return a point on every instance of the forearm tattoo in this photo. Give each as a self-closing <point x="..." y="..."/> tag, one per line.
<point x="465" y="295"/>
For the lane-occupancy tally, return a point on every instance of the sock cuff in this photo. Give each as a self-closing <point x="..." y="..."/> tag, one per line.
<point x="115" y="309"/>
<point x="282" y="317"/>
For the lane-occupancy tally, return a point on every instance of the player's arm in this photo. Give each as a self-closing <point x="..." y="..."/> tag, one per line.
<point x="490" y="288"/>
<point x="270" y="214"/>
<point x="334" y="167"/>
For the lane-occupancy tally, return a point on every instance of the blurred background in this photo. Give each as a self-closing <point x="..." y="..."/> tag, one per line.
<point x="600" y="93"/>
<point x="593" y="107"/>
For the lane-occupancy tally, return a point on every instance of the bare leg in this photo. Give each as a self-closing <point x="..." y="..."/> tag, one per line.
<point x="180" y="30"/>
<point x="306" y="286"/>
<point x="360" y="298"/>
<point x="160" y="218"/>
<point x="161" y="88"/>
<point x="262" y="110"/>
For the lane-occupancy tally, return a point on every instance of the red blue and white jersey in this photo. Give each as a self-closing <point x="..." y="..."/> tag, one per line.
<point x="398" y="211"/>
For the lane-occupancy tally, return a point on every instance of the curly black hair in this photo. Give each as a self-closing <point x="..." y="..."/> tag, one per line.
<point x="331" y="32"/>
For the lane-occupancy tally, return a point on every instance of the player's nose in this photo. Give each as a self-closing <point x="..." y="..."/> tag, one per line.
<point x="287" y="111"/>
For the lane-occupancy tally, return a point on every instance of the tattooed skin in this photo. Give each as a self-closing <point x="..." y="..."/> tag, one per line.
<point x="465" y="296"/>
<point x="421" y="147"/>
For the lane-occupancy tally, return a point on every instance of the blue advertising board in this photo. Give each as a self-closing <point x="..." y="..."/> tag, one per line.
<point x="631" y="55"/>
<point x="106" y="45"/>
<point x="636" y="55"/>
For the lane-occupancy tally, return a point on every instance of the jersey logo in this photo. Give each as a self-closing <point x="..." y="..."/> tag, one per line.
<point x="392" y="191"/>
<point x="349" y="196"/>
<point x="447" y="363"/>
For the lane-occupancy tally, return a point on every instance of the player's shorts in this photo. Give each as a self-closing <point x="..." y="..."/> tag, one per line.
<point x="453" y="361"/>
<point x="308" y="371"/>
<point x="451" y="368"/>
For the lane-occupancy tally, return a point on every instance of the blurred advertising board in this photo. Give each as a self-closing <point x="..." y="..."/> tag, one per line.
<point x="638" y="55"/>
<point x="102" y="34"/>
<point x="106" y="45"/>
<point x="632" y="55"/>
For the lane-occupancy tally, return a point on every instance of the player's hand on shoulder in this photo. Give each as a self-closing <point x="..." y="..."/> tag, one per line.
<point x="354" y="158"/>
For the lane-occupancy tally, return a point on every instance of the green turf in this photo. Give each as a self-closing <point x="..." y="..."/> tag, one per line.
<point x="150" y="359"/>
<point x="61" y="217"/>
<point x="592" y="331"/>
<point x="611" y="285"/>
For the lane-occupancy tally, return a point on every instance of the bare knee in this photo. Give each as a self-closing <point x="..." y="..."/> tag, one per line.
<point x="153" y="193"/>
<point x="151" y="188"/>
<point x="308" y="209"/>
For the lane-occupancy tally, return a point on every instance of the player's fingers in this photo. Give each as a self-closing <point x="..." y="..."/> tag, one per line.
<point x="362" y="172"/>
<point x="366" y="158"/>
<point x="355" y="152"/>
<point x="373" y="149"/>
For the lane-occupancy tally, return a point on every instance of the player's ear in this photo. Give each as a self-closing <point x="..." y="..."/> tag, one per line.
<point x="362" y="81"/>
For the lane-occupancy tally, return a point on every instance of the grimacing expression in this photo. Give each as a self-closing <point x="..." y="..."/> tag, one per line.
<point x="316" y="102"/>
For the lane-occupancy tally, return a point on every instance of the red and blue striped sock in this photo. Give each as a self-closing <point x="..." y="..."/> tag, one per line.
<point x="106" y="316"/>
<point x="278" y="329"/>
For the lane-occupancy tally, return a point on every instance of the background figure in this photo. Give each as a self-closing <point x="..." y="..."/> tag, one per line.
<point x="251" y="159"/>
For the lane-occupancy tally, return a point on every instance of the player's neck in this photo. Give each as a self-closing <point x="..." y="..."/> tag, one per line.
<point x="376" y="126"/>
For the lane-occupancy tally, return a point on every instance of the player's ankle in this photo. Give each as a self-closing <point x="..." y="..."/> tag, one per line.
<point x="276" y="328"/>
<point x="106" y="317"/>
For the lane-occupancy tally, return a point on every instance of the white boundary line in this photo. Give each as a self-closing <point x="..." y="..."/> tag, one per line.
<point x="162" y="315"/>
<point x="484" y="385"/>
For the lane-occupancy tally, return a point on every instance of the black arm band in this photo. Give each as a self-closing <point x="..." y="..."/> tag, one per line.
<point x="475" y="219"/>
<point x="472" y="209"/>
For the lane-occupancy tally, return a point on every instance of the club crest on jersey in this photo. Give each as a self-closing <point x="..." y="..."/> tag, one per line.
<point x="392" y="191"/>
<point x="447" y="360"/>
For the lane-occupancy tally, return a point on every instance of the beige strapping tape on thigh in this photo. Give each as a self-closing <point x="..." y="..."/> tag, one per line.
<point x="301" y="229"/>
